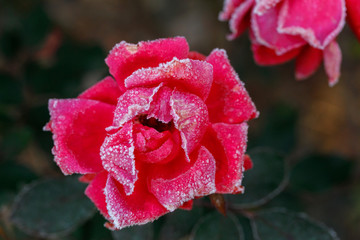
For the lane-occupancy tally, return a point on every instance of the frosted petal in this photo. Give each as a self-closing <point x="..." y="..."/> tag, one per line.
<point x="240" y="19"/>
<point x="228" y="100"/>
<point x="78" y="127"/>
<point x="125" y="58"/>
<point x="228" y="9"/>
<point x="198" y="181"/>
<point x="332" y="62"/>
<point x="192" y="75"/>
<point x="138" y="208"/>
<point x="262" y="6"/>
<point x="107" y="91"/>
<point x="317" y="21"/>
<point x="190" y="118"/>
<point x="132" y="103"/>
<point x="117" y="155"/>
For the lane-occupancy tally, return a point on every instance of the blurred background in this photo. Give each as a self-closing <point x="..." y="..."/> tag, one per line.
<point x="56" y="49"/>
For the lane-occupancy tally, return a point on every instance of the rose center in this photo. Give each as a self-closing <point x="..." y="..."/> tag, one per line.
<point x="156" y="124"/>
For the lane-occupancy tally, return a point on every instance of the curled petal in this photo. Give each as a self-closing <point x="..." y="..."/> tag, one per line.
<point x="307" y="62"/>
<point x="138" y="208"/>
<point x="191" y="75"/>
<point x="190" y="118"/>
<point x="117" y="155"/>
<point x="131" y="103"/>
<point x="316" y="21"/>
<point x="95" y="191"/>
<point x="262" y="6"/>
<point x="332" y="62"/>
<point x="228" y="100"/>
<point x="78" y="127"/>
<point x="265" y="31"/>
<point x="107" y="91"/>
<point x="266" y="56"/>
<point x="125" y="58"/>
<point x="240" y="19"/>
<point x="228" y="9"/>
<point x="198" y="181"/>
<point x="227" y="143"/>
<point x="353" y="16"/>
<point x="196" y="56"/>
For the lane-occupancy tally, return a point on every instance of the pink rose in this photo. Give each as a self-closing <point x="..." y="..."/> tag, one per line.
<point x="171" y="127"/>
<point x="281" y="30"/>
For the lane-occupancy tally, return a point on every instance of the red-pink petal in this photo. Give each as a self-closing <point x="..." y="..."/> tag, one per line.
<point x="160" y="105"/>
<point x="332" y="62"/>
<point x="187" y="205"/>
<point x="196" y="56"/>
<point x="240" y="19"/>
<point x="95" y="191"/>
<point x="229" y="171"/>
<point x="228" y="9"/>
<point x="125" y="58"/>
<point x="307" y="62"/>
<point x="191" y="75"/>
<point x="265" y="31"/>
<point x="139" y="208"/>
<point x="198" y="181"/>
<point x="117" y="155"/>
<point x="266" y="56"/>
<point x="353" y="16"/>
<point x="107" y="91"/>
<point x="263" y="5"/>
<point x="191" y="118"/>
<point x="78" y="127"/>
<point x="131" y="103"/>
<point x="228" y="100"/>
<point x="317" y="21"/>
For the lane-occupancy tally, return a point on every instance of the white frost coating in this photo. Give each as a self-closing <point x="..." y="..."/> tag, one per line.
<point x="119" y="160"/>
<point x="308" y="34"/>
<point x="198" y="181"/>
<point x="133" y="110"/>
<point x="262" y="6"/>
<point x="238" y="15"/>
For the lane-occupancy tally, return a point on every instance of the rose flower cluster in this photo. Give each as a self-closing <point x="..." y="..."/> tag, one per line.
<point x="281" y="30"/>
<point x="169" y="126"/>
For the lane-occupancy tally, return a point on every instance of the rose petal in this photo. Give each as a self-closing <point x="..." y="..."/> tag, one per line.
<point x="227" y="143"/>
<point x="187" y="205"/>
<point x="266" y="56"/>
<point x="353" y="16"/>
<point x="191" y="75"/>
<point x="265" y="31"/>
<point x="78" y="127"/>
<point x="117" y="155"/>
<point x="228" y="100"/>
<point x="228" y="9"/>
<point x="262" y="6"/>
<point x="190" y="118"/>
<point x="196" y="56"/>
<point x="87" y="178"/>
<point x="139" y="208"/>
<point x="198" y="181"/>
<point x="160" y="105"/>
<point x="107" y="91"/>
<point x="132" y="103"/>
<point x="240" y="19"/>
<point x="307" y="62"/>
<point x="125" y="58"/>
<point x="95" y="191"/>
<point x="332" y="62"/>
<point x="317" y="21"/>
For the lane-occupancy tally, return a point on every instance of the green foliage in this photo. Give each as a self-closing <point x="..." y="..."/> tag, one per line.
<point x="143" y="232"/>
<point x="47" y="208"/>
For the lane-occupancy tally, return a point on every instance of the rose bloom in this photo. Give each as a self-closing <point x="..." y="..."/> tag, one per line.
<point x="281" y="30"/>
<point x="171" y="127"/>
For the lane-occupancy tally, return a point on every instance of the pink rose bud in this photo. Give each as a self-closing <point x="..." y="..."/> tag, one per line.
<point x="169" y="126"/>
<point x="281" y="30"/>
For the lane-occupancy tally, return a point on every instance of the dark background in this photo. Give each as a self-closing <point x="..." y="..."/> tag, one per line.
<point x="56" y="49"/>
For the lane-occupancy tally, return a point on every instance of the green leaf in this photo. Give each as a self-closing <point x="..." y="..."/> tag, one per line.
<point x="320" y="172"/>
<point x="52" y="208"/>
<point x="217" y="227"/>
<point x="142" y="232"/>
<point x="12" y="175"/>
<point x="267" y="178"/>
<point x="279" y="224"/>
<point x="179" y="224"/>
